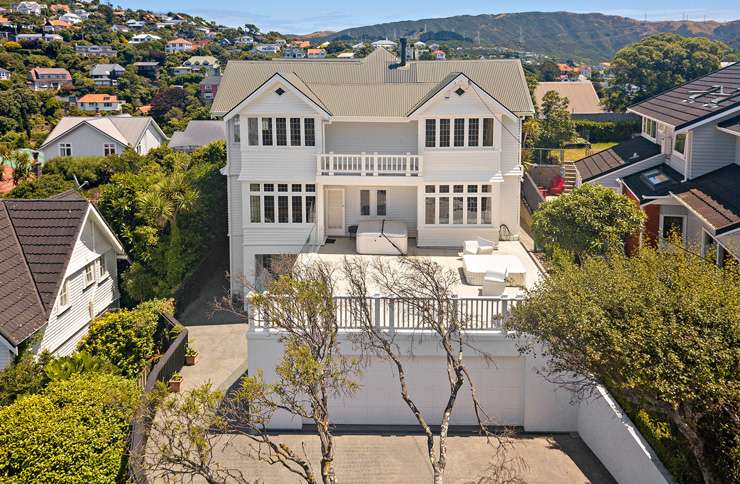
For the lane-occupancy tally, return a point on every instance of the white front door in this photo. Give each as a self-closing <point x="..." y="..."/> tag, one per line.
<point x="335" y="211"/>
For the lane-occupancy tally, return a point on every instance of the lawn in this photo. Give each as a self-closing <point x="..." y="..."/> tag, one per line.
<point x="574" y="154"/>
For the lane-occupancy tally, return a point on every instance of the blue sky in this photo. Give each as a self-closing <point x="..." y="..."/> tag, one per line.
<point x="301" y="16"/>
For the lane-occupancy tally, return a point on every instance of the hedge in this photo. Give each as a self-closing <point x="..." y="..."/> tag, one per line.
<point x="127" y="338"/>
<point x="74" y="432"/>
<point x="605" y="131"/>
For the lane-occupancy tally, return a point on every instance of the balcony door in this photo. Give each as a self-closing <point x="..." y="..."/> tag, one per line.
<point x="335" y="211"/>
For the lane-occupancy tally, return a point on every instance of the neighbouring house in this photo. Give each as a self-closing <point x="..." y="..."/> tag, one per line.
<point x="207" y="64"/>
<point x="385" y="43"/>
<point x="120" y="28"/>
<point x="197" y="134"/>
<point x="346" y="55"/>
<point x="267" y="48"/>
<point x="145" y="109"/>
<point x="294" y="53"/>
<point x="142" y="38"/>
<point x="135" y="24"/>
<point x="21" y="38"/>
<point x="684" y="168"/>
<point x="95" y="50"/>
<point x="55" y="25"/>
<point x="42" y="78"/>
<point x="301" y="44"/>
<point x="445" y="129"/>
<point x="178" y="45"/>
<point x="102" y="136"/>
<point x="209" y="87"/>
<point x="27" y="8"/>
<point x="439" y="55"/>
<point x="106" y="74"/>
<point x="71" y="18"/>
<point x="359" y="46"/>
<point x="582" y="97"/>
<point x="59" y="273"/>
<point x="59" y="7"/>
<point x="244" y="40"/>
<point x="99" y="103"/>
<point x="4" y="74"/>
<point x="316" y="53"/>
<point x="147" y="68"/>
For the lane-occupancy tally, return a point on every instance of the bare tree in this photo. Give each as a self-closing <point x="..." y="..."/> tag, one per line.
<point x="427" y="291"/>
<point x="311" y="371"/>
<point x="184" y="437"/>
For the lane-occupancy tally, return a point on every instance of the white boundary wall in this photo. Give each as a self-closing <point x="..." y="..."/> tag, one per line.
<point x="510" y="389"/>
<point x="611" y="435"/>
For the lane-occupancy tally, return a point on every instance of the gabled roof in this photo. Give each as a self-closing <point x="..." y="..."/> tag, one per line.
<point x="714" y="197"/>
<point x="582" y="97"/>
<point x="198" y="133"/>
<point x="98" y="98"/>
<point x="373" y="86"/>
<point x="612" y="159"/>
<point x="36" y="241"/>
<point x="105" y="69"/>
<point x="125" y="129"/>
<point x="694" y="101"/>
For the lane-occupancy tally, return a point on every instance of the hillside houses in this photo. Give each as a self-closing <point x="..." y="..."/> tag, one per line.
<point x="27" y="8"/>
<point x="95" y="50"/>
<point x="178" y="45"/>
<point x="42" y="78"/>
<point x="106" y="74"/>
<point x="99" y="103"/>
<point x="141" y="38"/>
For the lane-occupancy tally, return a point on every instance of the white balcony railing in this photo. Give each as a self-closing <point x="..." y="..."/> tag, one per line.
<point x="369" y="164"/>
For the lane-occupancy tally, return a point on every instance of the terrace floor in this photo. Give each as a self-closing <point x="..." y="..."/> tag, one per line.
<point x="448" y="258"/>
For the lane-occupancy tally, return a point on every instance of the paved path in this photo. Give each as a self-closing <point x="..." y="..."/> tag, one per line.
<point x="222" y="355"/>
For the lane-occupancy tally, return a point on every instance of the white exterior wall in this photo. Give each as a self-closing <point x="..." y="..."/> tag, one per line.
<point x="150" y="140"/>
<point x="85" y="141"/>
<point x="392" y="138"/>
<point x="6" y="357"/>
<point x="711" y="149"/>
<point x="66" y="326"/>
<point x="400" y="205"/>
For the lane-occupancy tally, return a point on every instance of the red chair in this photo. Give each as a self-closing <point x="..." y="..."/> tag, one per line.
<point x="557" y="185"/>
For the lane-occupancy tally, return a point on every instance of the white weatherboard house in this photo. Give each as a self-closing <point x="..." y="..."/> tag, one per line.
<point x="315" y="148"/>
<point x="102" y="136"/>
<point x="57" y="272"/>
<point x="373" y="157"/>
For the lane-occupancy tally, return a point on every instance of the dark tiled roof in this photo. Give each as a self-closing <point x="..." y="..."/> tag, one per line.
<point x="36" y="241"/>
<point x="673" y="107"/>
<point x="616" y="157"/>
<point x="639" y="185"/>
<point x="732" y="124"/>
<point x="714" y="196"/>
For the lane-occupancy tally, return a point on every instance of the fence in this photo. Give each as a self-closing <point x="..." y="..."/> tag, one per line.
<point x="532" y="195"/>
<point x="392" y="313"/>
<point x="170" y="362"/>
<point x="369" y="164"/>
<point x="554" y="156"/>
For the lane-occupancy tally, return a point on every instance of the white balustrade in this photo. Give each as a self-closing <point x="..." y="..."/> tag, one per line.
<point x="369" y="164"/>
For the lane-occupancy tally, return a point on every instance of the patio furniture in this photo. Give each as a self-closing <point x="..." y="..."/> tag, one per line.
<point x="557" y="185"/>
<point x="479" y="246"/>
<point x="475" y="267"/>
<point x="494" y="283"/>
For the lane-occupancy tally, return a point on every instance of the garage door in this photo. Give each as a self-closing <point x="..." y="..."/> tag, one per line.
<point x="378" y="402"/>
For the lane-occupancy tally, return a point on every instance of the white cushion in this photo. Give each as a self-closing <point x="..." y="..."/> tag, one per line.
<point x="471" y="247"/>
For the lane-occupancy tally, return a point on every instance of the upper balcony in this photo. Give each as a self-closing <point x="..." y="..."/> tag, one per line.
<point x="369" y="164"/>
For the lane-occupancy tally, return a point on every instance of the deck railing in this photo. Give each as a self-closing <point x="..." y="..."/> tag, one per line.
<point x="369" y="164"/>
<point x="395" y="314"/>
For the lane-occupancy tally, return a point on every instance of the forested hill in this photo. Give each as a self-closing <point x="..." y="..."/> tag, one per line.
<point x="590" y="36"/>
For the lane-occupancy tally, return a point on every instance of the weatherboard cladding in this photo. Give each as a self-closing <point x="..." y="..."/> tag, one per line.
<point x="373" y="86"/>
<point x="44" y="233"/>
<point x="672" y="107"/>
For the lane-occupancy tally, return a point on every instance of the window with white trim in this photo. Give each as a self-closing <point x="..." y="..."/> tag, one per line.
<point x="252" y="134"/>
<point x="236" y="135"/>
<point x="459" y="133"/>
<point x="64" y="295"/>
<point x="102" y="268"/>
<point x="461" y="204"/>
<point x="679" y="144"/>
<point x="672" y="226"/>
<point x="649" y="127"/>
<point x="65" y="149"/>
<point x="282" y="203"/>
<point x="109" y="149"/>
<point x="373" y="198"/>
<point x="89" y="274"/>
<point x="280" y="131"/>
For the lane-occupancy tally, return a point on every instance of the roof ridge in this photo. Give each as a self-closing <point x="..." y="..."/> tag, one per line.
<point x="26" y="265"/>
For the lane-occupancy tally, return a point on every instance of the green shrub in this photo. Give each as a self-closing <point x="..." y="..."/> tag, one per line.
<point x="74" y="432"/>
<point x="25" y="376"/>
<point x="43" y="187"/>
<point x="127" y="338"/>
<point x="94" y="170"/>
<point x="605" y="131"/>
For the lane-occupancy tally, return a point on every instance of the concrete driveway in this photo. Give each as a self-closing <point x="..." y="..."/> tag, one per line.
<point x="380" y="459"/>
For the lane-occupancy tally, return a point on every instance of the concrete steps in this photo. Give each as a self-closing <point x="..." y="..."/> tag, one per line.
<point x="570" y="175"/>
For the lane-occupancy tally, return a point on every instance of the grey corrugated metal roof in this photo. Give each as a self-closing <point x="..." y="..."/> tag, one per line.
<point x="373" y="86"/>
<point x="105" y="69"/>
<point x="125" y="129"/>
<point x="198" y="133"/>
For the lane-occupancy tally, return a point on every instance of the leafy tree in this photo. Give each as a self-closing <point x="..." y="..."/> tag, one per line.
<point x="658" y="63"/>
<point x="587" y="220"/>
<point x="549" y="71"/>
<point x="660" y="330"/>
<point x="77" y="363"/>
<point x="25" y="376"/>
<point x="42" y="187"/>
<point x="75" y="431"/>
<point x="164" y="101"/>
<point x="556" y="124"/>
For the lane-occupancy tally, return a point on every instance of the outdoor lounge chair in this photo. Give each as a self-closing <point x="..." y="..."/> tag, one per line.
<point x="479" y="246"/>
<point x="494" y="283"/>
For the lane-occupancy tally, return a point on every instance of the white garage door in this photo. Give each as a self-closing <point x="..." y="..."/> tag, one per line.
<point x="378" y="402"/>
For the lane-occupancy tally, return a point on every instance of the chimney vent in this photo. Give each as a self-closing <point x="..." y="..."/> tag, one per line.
<point x="403" y="52"/>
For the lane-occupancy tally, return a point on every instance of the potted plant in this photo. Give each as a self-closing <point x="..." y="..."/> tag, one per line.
<point x="191" y="355"/>
<point x="175" y="382"/>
